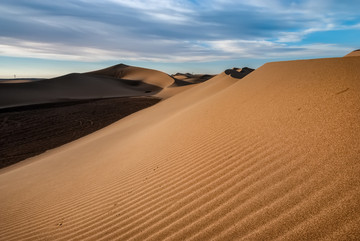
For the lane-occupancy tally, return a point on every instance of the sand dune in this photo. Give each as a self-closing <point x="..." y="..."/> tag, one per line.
<point x="149" y="76"/>
<point x="273" y="156"/>
<point x="116" y="81"/>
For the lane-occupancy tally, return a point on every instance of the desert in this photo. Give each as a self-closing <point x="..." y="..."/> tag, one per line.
<point x="273" y="155"/>
<point x="179" y="120"/>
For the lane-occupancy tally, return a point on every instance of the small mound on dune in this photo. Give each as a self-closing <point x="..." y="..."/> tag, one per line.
<point x="238" y="73"/>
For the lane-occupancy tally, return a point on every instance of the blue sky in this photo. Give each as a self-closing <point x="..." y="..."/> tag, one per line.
<point x="43" y="38"/>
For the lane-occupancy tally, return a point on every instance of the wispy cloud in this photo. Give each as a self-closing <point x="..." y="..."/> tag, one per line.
<point x="262" y="49"/>
<point x="172" y="30"/>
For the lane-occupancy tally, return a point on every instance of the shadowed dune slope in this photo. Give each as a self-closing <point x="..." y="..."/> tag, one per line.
<point x="92" y="85"/>
<point x="273" y="156"/>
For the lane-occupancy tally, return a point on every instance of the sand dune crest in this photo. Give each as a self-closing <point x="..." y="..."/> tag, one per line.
<point x="354" y="53"/>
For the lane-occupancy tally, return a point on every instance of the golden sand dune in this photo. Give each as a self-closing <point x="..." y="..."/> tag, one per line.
<point x="273" y="156"/>
<point x="93" y="85"/>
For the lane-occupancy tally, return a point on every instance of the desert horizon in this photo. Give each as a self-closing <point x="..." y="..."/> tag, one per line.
<point x="179" y="120"/>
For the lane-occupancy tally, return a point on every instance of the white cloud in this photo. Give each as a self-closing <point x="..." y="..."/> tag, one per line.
<point x="18" y="48"/>
<point x="174" y="11"/>
<point x="261" y="49"/>
<point x="174" y="5"/>
<point x="289" y="37"/>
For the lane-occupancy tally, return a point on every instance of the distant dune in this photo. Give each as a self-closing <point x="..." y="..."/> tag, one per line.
<point x="131" y="73"/>
<point x="116" y="81"/>
<point x="273" y="156"/>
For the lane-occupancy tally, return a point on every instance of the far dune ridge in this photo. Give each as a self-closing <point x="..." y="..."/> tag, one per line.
<point x="116" y="81"/>
<point x="132" y="73"/>
<point x="271" y="156"/>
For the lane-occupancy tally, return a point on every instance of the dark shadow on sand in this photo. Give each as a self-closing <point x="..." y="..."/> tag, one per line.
<point x="28" y="131"/>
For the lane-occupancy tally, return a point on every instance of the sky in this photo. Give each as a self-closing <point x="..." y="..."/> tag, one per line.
<point x="47" y="38"/>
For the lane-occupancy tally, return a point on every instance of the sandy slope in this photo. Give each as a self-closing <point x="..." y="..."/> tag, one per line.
<point x="173" y="90"/>
<point x="272" y="156"/>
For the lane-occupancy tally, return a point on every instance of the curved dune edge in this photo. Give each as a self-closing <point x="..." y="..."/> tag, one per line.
<point x="355" y="53"/>
<point x="272" y="156"/>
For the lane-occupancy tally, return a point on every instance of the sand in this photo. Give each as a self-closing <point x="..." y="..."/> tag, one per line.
<point x="272" y="156"/>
